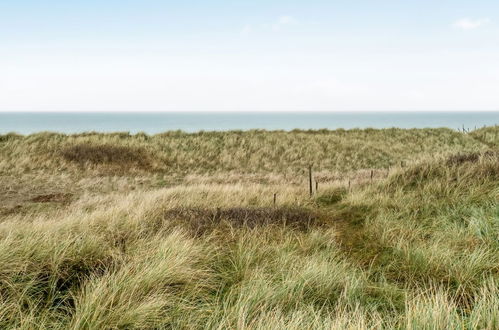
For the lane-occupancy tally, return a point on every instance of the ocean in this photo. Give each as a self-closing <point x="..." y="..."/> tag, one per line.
<point x="151" y="123"/>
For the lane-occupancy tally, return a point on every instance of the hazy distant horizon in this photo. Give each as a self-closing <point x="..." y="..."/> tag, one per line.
<point x="157" y="122"/>
<point x="359" y="111"/>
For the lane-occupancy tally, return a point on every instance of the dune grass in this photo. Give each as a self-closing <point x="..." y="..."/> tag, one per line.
<point x="177" y="230"/>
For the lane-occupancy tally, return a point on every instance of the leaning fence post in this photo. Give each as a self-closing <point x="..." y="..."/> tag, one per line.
<point x="372" y="174"/>
<point x="310" y="179"/>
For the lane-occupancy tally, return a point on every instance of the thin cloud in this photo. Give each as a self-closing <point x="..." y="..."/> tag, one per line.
<point x="282" y="21"/>
<point x="470" y="24"/>
<point x="246" y="30"/>
<point x="278" y="25"/>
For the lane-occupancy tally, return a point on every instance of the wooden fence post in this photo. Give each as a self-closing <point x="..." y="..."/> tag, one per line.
<point x="275" y="198"/>
<point x="316" y="186"/>
<point x="372" y="174"/>
<point x="310" y="179"/>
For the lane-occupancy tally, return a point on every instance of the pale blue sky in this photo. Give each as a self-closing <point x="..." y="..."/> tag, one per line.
<point x="249" y="55"/>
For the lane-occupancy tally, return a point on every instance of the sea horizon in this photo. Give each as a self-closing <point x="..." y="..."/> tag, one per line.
<point x="195" y="121"/>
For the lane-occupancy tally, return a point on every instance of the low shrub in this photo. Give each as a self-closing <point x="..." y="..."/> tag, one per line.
<point x="104" y="154"/>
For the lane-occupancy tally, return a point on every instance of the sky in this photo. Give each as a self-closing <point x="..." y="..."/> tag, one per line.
<point x="220" y="55"/>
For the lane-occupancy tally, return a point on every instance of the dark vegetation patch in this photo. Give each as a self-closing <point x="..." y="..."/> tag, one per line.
<point x="463" y="158"/>
<point x="105" y="154"/>
<point x="331" y="197"/>
<point x="353" y="237"/>
<point x="472" y="157"/>
<point x="52" y="198"/>
<point x="201" y="220"/>
<point x="9" y="137"/>
<point x="353" y="214"/>
<point x="52" y="285"/>
<point x="10" y="210"/>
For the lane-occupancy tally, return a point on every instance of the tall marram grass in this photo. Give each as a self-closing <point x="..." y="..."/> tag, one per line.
<point x="235" y="151"/>
<point x="417" y="249"/>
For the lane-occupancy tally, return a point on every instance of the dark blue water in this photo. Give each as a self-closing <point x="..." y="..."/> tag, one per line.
<point x="151" y="123"/>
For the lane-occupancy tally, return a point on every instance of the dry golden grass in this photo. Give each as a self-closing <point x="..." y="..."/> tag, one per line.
<point x="96" y="240"/>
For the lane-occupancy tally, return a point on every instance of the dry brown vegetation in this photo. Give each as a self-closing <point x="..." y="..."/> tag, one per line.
<point x="57" y="197"/>
<point x="119" y="156"/>
<point x="201" y="220"/>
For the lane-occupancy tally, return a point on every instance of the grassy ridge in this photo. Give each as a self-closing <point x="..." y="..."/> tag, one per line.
<point x="234" y="151"/>
<point x="415" y="248"/>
